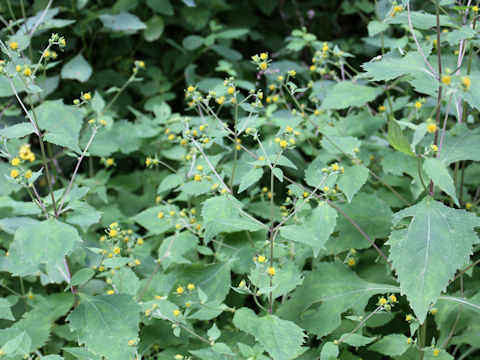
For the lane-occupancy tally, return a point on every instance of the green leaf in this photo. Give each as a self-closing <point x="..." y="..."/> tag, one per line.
<point x="316" y="230"/>
<point x="460" y="143"/>
<point x="17" y="131"/>
<point x="81" y="276"/>
<point x="250" y="178"/>
<point x="346" y="94"/>
<point x="439" y="174"/>
<point x="329" y="351"/>
<point x="469" y="304"/>
<point x="454" y="37"/>
<point x="221" y="214"/>
<point x="154" y="29"/>
<point x="5" y="312"/>
<point x="122" y="22"/>
<point x="161" y="6"/>
<point x="442" y="355"/>
<point x="356" y="339"/>
<point x="61" y="122"/>
<point x="282" y="339"/>
<point x="376" y="27"/>
<point x="46" y="242"/>
<point x="106" y="319"/>
<point x="397" y="138"/>
<point x="169" y="182"/>
<point x="340" y="144"/>
<point x="391" y="345"/>
<point x="426" y="254"/>
<point x="150" y="221"/>
<point x="192" y="42"/>
<point x="421" y="20"/>
<point x="352" y="180"/>
<point x="338" y="289"/>
<point x="472" y="95"/>
<point x="19" y="345"/>
<point x="77" y="68"/>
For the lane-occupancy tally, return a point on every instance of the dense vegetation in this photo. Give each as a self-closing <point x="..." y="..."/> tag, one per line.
<point x="263" y="179"/>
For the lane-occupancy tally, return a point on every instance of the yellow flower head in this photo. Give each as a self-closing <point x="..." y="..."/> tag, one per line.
<point x="15" y="161"/>
<point x="190" y="88"/>
<point x="381" y="108"/>
<point x="176" y="312"/>
<point x="14" y="173"/>
<point x="231" y="90"/>
<point x="382" y="301"/>
<point x="109" y="161"/>
<point x="27" y="72"/>
<point x="110" y="292"/>
<point x="408" y="318"/>
<point x="180" y="290"/>
<point x="113" y="233"/>
<point x="116" y="250"/>
<point x="418" y="104"/>
<point x="86" y="96"/>
<point x="131" y="342"/>
<point x="392" y="298"/>
<point x="436" y="352"/>
<point x="475" y="8"/>
<point x="261" y="259"/>
<point x="289" y="129"/>
<point x="431" y="128"/>
<point x="263" y="65"/>
<point x="283" y="144"/>
<point x="13" y="45"/>
<point x="335" y="167"/>
<point x="263" y="56"/>
<point x="271" y="271"/>
<point x="466" y="82"/>
<point x="197" y="178"/>
<point x="351" y="262"/>
<point x="28" y="174"/>
<point x="191" y="287"/>
<point x="446" y="79"/>
<point x="18" y="68"/>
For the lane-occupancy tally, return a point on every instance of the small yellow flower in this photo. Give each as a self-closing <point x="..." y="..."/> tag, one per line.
<point x="466" y="82"/>
<point x="18" y="68"/>
<point x="62" y="42"/>
<point x="87" y="96"/>
<point x="220" y="100"/>
<point x="110" y="292"/>
<point x="292" y="73"/>
<point x="305" y="194"/>
<point x="335" y="167"/>
<point x="271" y="271"/>
<point x="436" y="352"/>
<point x="188" y="304"/>
<point x="409" y="340"/>
<point x="431" y="128"/>
<point x="197" y="178"/>
<point x="434" y="311"/>
<point x="117" y="250"/>
<point x="191" y="287"/>
<point x="283" y="144"/>
<point x="113" y="233"/>
<point x="171" y="137"/>
<point x="180" y="290"/>
<point x="103" y="122"/>
<point x="176" y="312"/>
<point x="382" y="301"/>
<point x="242" y="284"/>
<point x="418" y="104"/>
<point x="190" y="88"/>
<point x="392" y="298"/>
<point x="137" y="262"/>
<point x="131" y="342"/>
<point x="280" y="78"/>
<point x="261" y="158"/>
<point x="434" y="147"/>
<point x="351" y="262"/>
<point x="171" y="212"/>
<point x="446" y="79"/>
<point x="14" y="173"/>
<point x="199" y="167"/>
<point x="27" y="72"/>
<point x="148" y="312"/>
<point x="141" y="63"/>
<point x="148" y="161"/>
<point x="263" y="65"/>
<point x="261" y="259"/>
<point x="140" y="241"/>
<point x="230" y="90"/>
<point x="408" y="318"/>
<point x="263" y="56"/>
<point x="313" y="68"/>
<point x="381" y="108"/>
<point x="160" y="215"/>
<point x="15" y="161"/>
<point x="13" y="45"/>
<point x="326" y="188"/>
<point x="475" y="8"/>
<point x="28" y="174"/>
<point x="289" y="129"/>
<point x="468" y="205"/>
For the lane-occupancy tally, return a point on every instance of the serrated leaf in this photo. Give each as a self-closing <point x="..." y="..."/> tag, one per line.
<point x="106" y="319"/>
<point x="421" y="20"/>
<point x="19" y="345"/>
<point x="17" y="131"/>
<point x="376" y="27"/>
<point x="5" y="312"/>
<point x="250" y="178"/>
<point x="460" y="143"/>
<point x="347" y="94"/>
<point x="397" y="138"/>
<point x="352" y="180"/>
<point x="391" y="345"/>
<point x="282" y="339"/>
<point x="77" y="68"/>
<point x="122" y="22"/>
<point x="170" y="181"/>
<point x="455" y="36"/>
<point x="82" y="276"/>
<point x="440" y="176"/>
<point x="426" y="254"/>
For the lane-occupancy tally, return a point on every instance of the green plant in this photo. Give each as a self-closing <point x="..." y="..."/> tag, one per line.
<point x="286" y="206"/>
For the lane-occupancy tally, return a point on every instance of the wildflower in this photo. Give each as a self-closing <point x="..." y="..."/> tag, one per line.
<point x="18" y="68"/>
<point x="446" y="79"/>
<point x="434" y="147"/>
<point x="280" y="78"/>
<point x="468" y="205"/>
<point x="261" y="259"/>
<point x="109" y="162"/>
<point x="171" y="137"/>
<point x="261" y="158"/>
<point x="140" y="241"/>
<point x="15" y="161"/>
<point x="14" y="173"/>
<point x="112" y="233"/>
<point x="275" y="98"/>
<point x="271" y="271"/>
<point x="54" y="55"/>
<point x="199" y="167"/>
<point x="190" y="88"/>
<point x="191" y="287"/>
<point x="263" y="56"/>
<point x="431" y="128"/>
<point x="434" y="311"/>
<point x="409" y="340"/>
<point x="466" y="82"/>
<point x="475" y="8"/>
<point x="178" y="357"/>
<point x="137" y="262"/>
<point x="160" y="215"/>
<point x="116" y="250"/>
<point x="381" y="108"/>
<point x="76" y="102"/>
<point x="27" y="72"/>
<point x="110" y="292"/>
<point x="62" y="42"/>
<point x="13" y="45"/>
<point x="180" y="290"/>
<point x="148" y="312"/>
<point x="176" y="312"/>
<point x="172" y="212"/>
<point x="283" y="144"/>
<point x="230" y="90"/>
<point x="220" y="100"/>
<point x="241" y="284"/>
<point x="263" y="65"/>
<point x="351" y="262"/>
<point x="335" y="167"/>
<point x="305" y="194"/>
<point x="292" y="73"/>
<point x="436" y="352"/>
<point x="103" y="122"/>
<point x="418" y="105"/>
<point x="382" y="301"/>
<point x="28" y="174"/>
<point x="392" y="298"/>
<point x="289" y="129"/>
<point x="148" y="161"/>
<point x="197" y="178"/>
<point x="326" y="188"/>
<point x="131" y="342"/>
<point x="408" y="318"/>
<point x="86" y="96"/>
<point x="141" y="63"/>
<point x="313" y="68"/>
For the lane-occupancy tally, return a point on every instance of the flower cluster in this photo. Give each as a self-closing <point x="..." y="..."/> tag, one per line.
<point x="388" y="302"/>
<point x="262" y="61"/>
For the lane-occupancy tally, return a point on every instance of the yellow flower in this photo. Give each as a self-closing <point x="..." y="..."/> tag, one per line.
<point x="190" y="88"/>
<point x="292" y="73"/>
<point x="241" y="284"/>
<point x="14" y="173"/>
<point x="326" y="188"/>
<point x="382" y="301"/>
<point x="62" y="42"/>
<point x="280" y="78"/>
<point x="381" y="108"/>
<point x="289" y="129"/>
<point x="15" y="161"/>
<point x="18" y="68"/>
<point x="140" y="241"/>
<point x="199" y="167"/>
<point x="468" y="205"/>
<point x="466" y="82"/>
<point x="305" y="194"/>
<point x="392" y="298"/>
<point x="87" y="96"/>
<point x="446" y="79"/>
<point x="141" y="63"/>
<point x="160" y="215"/>
<point x="172" y="212"/>
<point x="112" y="233"/>
<point x="409" y="340"/>
<point x="116" y="250"/>
<point x="109" y="161"/>
<point x="335" y="167"/>
<point x="180" y="290"/>
<point x="13" y="45"/>
<point x="148" y="312"/>
<point x="176" y="312"/>
<point x="271" y="271"/>
<point x="263" y="65"/>
<point x="103" y="122"/>
<point x="283" y="144"/>
<point x="231" y="90"/>
<point x="197" y="178"/>
<point x="110" y="292"/>
<point x="261" y="158"/>
<point x="28" y="174"/>
<point x="434" y="311"/>
<point x="436" y="352"/>
<point x="188" y="304"/>
<point x="191" y="287"/>
<point x="431" y="128"/>
<point x="137" y="262"/>
<point x="263" y="56"/>
<point x="148" y="161"/>
<point x="397" y="8"/>
<point x="408" y="318"/>
<point x="261" y="259"/>
<point x="27" y="72"/>
<point x="131" y="342"/>
<point x="220" y="100"/>
<point x="313" y="68"/>
<point x="171" y="137"/>
<point x="434" y="147"/>
<point x="475" y="8"/>
<point x="275" y="98"/>
<point x="351" y="262"/>
<point x="418" y="104"/>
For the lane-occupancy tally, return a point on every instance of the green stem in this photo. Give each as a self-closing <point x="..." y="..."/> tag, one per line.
<point x="421" y="334"/>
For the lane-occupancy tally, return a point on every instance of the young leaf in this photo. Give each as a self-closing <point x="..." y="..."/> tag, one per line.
<point x="426" y="254"/>
<point x="17" y="130"/>
<point x="346" y="94"/>
<point x="440" y="176"/>
<point x="397" y="139"/>
<point x="391" y="345"/>
<point x="105" y="324"/>
<point x="460" y="143"/>
<point x="77" y="68"/>
<point x="352" y="180"/>
<point x="329" y="351"/>
<point x="250" y="178"/>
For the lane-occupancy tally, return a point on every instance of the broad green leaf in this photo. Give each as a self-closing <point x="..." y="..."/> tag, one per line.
<point x="391" y="345"/>
<point x="315" y="231"/>
<point x="122" y="22"/>
<point x="150" y="220"/>
<point x="46" y="242"/>
<point x="285" y="280"/>
<point x="356" y="339"/>
<point x="454" y="37"/>
<point x="170" y="181"/>
<point x="340" y="144"/>
<point x="250" y="178"/>
<point x="376" y="27"/>
<point x="472" y="95"/>
<point x="192" y="42"/>
<point x="338" y="289"/>
<point x="61" y="122"/>
<point x="154" y="29"/>
<point x="394" y="65"/>
<point x="421" y="20"/>
<point x="469" y="304"/>
<point x="397" y="138"/>
<point x="460" y="143"/>
<point x="329" y="351"/>
<point x="439" y="174"/>
<point x="442" y="355"/>
<point x="426" y="254"/>
<point x="81" y="276"/>
<point x="19" y="345"/>
<point x="105" y="324"/>
<point x="5" y="312"/>
<point x="126" y="281"/>
<point x="282" y="339"/>
<point x="77" y="68"/>
<point x="346" y="94"/>
<point x="221" y="214"/>
<point x="175" y="246"/>
<point x="161" y="6"/>
<point x="352" y="180"/>
<point x="17" y="131"/>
